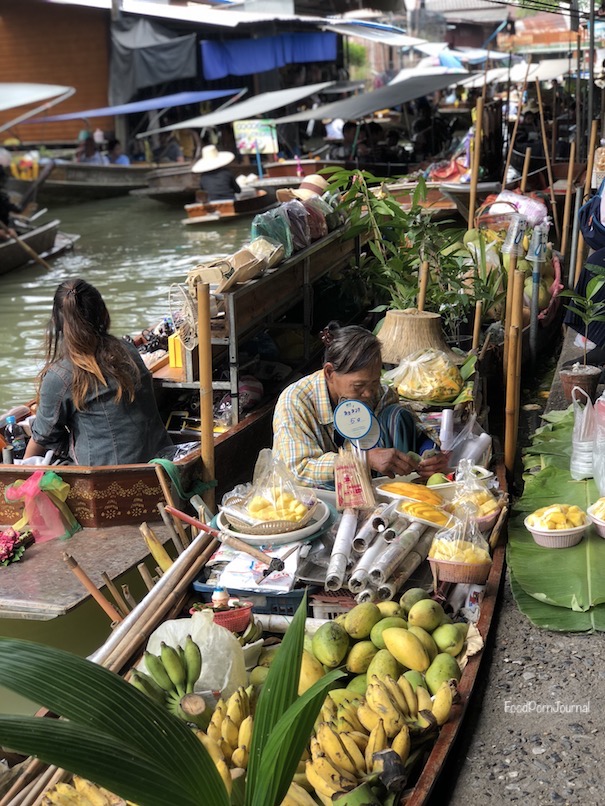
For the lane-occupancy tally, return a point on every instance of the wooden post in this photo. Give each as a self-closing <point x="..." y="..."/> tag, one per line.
<point x="517" y="322"/>
<point x="526" y="161"/>
<point x="477" y="325"/>
<point x="587" y="187"/>
<point x="568" y="195"/>
<point x="515" y="127"/>
<point x="423" y="281"/>
<point x="206" y="408"/>
<point x="551" y="182"/>
<point x="512" y="397"/>
<point x="476" y="163"/>
<point x="512" y="267"/>
<point x="164" y="484"/>
<point x="91" y="588"/>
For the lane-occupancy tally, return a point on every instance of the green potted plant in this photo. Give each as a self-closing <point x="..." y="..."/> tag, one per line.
<point x="588" y="309"/>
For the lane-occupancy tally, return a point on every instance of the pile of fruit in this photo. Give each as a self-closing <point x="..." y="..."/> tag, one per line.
<point x="280" y="506"/>
<point x="557" y="517"/>
<point x="481" y="501"/>
<point x="81" y="793"/>
<point x="459" y="551"/>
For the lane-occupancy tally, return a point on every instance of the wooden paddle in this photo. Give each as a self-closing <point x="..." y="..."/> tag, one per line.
<point x="25" y="246"/>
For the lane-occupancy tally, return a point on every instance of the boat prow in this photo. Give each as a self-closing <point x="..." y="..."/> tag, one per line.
<point x="248" y="203"/>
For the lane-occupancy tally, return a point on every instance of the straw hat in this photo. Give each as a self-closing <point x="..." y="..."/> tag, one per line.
<point x="314" y="185"/>
<point x="212" y="159"/>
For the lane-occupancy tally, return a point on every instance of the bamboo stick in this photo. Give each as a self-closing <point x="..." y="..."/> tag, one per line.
<point x="159" y="471"/>
<point x="510" y="439"/>
<point x="495" y="535"/>
<point x="156" y="548"/>
<point x="178" y="543"/>
<point x="526" y="161"/>
<point x="579" y="257"/>
<point x="122" y="606"/>
<point x="25" y="246"/>
<point x="568" y="195"/>
<point x="129" y="597"/>
<point x="91" y="588"/>
<point x="517" y="321"/>
<point x="423" y="282"/>
<point x="512" y="268"/>
<point x="515" y="127"/>
<point x="472" y="202"/>
<point x="145" y="576"/>
<point x="486" y="343"/>
<point x="206" y="408"/>
<point x="477" y="325"/>
<point x="551" y="182"/>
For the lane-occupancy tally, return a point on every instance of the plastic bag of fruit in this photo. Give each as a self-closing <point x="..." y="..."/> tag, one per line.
<point x="427" y="375"/>
<point x="473" y="501"/>
<point x="462" y="542"/>
<point x="272" y="497"/>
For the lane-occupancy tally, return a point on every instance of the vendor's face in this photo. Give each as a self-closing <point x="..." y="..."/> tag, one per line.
<point x="363" y="385"/>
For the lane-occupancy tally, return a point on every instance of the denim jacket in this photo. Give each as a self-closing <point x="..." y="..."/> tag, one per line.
<point x="103" y="432"/>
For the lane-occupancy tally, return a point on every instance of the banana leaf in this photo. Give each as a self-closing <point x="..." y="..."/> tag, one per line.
<point x="559" y="619"/>
<point x="554" y="485"/>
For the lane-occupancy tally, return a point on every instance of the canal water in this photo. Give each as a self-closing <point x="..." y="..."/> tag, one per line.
<point x="131" y="249"/>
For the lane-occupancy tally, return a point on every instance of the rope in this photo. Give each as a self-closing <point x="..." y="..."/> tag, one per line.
<point x="198" y="486"/>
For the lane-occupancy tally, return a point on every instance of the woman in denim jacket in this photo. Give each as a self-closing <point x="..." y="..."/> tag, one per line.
<point x="95" y="401"/>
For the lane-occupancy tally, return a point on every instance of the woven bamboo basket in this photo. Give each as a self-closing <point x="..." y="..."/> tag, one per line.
<point x="405" y="332"/>
<point x="267" y="527"/>
<point x="450" y="571"/>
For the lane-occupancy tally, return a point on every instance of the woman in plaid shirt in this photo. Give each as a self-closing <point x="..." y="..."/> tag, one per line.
<point x="304" y="436"/>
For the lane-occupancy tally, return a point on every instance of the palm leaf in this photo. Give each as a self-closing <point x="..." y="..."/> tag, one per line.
<point x="92" y="696"/>
<point x="97" y="757"/>
<point x="560" y="619"/>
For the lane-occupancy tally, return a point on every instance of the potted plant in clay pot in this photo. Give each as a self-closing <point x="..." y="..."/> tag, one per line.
<point x="589" y="310"/>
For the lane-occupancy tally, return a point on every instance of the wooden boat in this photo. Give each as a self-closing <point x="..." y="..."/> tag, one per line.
<point x="45" y="240"/>
<point x="176" y="184"/>
<point x="248" y="203"/>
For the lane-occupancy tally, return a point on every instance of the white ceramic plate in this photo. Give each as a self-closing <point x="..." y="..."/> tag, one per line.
<point x="321" y="515"/>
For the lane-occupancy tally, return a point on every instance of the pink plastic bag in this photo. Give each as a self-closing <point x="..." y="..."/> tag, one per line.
<point x="45" y="511"/>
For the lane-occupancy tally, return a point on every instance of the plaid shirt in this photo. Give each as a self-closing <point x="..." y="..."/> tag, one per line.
<point x="303" y="429"/>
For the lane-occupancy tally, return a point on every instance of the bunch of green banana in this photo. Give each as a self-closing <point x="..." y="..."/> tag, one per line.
<point x="170" y="677"/>
<point x="252" y="633"/>
<point x="80" y="793"/>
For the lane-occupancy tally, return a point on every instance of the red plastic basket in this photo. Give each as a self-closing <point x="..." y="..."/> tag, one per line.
<point x="236" y="619"/>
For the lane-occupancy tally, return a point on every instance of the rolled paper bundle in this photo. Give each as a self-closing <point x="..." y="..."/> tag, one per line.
<point x="383" y="568"/>
<point x="341" y="551"/>
<point x="366" y="595"/>
<point x="396" y="529"/>
<point x="418" y="554"/>
<point x="360" y="576"/>
<point x="369" y="529"/>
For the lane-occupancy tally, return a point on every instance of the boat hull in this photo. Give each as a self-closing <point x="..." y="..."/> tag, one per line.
<point x="45" y="240"/>
<point x="203" y="212"/>
<point x="72" y="182"/>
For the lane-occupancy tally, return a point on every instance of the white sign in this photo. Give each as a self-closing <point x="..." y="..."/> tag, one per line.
<point x="353" y="419"/>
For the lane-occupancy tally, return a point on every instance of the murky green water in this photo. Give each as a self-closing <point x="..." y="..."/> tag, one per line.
<point x="132" y="249"/>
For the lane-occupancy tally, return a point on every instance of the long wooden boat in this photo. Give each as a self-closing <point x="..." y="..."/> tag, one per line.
<point x="212" y="212"/>
<point x="45" y="240"/>
<point x="176" y="184"/>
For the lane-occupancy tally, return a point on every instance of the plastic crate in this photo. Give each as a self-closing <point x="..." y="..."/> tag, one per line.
<point x="275" y="604"/>
<point x="330" y="604"/>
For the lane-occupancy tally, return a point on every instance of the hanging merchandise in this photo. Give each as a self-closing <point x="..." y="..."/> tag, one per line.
<point x="427" y="375"/>
<point x="295" y="214"/>
<point x="273" y="225"/>
<point x="45" y="512"/>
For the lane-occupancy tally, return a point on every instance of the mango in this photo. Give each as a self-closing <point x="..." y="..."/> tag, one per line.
<point x="360" y="620"/>
<point x="407" y="649"/>
<point x="310" y="672"/>
<point x="341" y="619"/>
<point x="360" y="657"/>
<point x="427" y="614"/>
<point x="330" y="644"/>
<point x="410" y="597"/>
<point x="258" y="675"/>
<point x="267" y="655"/>
<point x="415" y="679"/>
<point x="389" y="609"/>
<point x="442" y="669"/>
<point x="448" y="638"/>
<point x="358" y="684"/>
<point x="426" y="640"/>
<point x="377" y="630"/>
<point x="383" y="664"/>
<point x="470" y="235"/>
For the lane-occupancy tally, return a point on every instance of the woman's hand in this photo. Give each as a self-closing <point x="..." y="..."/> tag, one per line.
<point x="391" y="462"/>
<point x="438" y="463"/>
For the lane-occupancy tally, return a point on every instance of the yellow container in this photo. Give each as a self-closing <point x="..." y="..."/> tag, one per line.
<point x="175" y="351"/>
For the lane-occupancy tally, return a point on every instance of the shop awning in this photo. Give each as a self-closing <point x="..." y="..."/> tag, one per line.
<point x="14" y="95"/>
<point x="360" y="106"/>
<point x="250" y="108"/>
<point x="375" y="32"/>
<point x="546" y="70"/>
<point x="162" y="102"/>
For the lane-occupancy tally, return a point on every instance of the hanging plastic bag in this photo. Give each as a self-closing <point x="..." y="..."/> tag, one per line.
<point x="45" y="512"/>
<point x="298" y="219"/>
<point x="275" y="226"/>
<point x="272" y="252"/>
<point x="427" y="375"/>
<point x="471" y="443"/>
<point x="598" y="450"/>
<point x="581" y="464"/>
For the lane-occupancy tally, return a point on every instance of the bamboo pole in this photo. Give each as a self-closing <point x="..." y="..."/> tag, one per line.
<point x="145" y="576"/>
<point x="526" y="161"/>
<point x="206" y="408"/>
<point x="91" y="587"/>
<point x="517" y="321"/>
<point x="579" y="257"/>
<point x="178" y="544"/>
<point x="159" y="471"/>
<point x="25" y="246"/>
<point x="515" y="127"/>
<point x="122" y="605"/>
<point x="512" y="267"/>
<point x="510" y="438"/>
<point x="472" y="201"/>
<point x="423" y="282"/>
<point x="551" y="181"/>
<point x="477" y="325"/>
<point x="568" y="195"/>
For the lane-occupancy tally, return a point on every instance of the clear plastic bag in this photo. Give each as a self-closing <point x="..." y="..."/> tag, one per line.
<point x="316" y="209"/>
<point x="473" y="501"/>
<point x="180" y="451"/>
<point x="295" y="214"/>
<point x="274" y="226"/>
<point x="462" y="542"/>
<point x="584" y="428"/>
<point x="427" y="375"/>
<point x="471" y="443"/>
<point x="598" y="451"/>
<point x="272" y="252"/>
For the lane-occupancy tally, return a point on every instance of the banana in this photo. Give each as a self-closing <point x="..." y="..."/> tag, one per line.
<point x="342" y="696"/>
<point x="377" y="742"/>
<point x="245" y="701"/>
<point x="213" y="748"/>
<point x="193" y="663"/>
<point x="220" y="710"/>
<point x="226" y="750"/>
<point x="156" y="669"/>
<point x="401" y="743"/>
<point x="360" y="738"/>
<point x="396" y="694"/>
<point x="442" y="703"/>
<point x="334" y="749"/>
<point x="223" y="771"/>
<point x="324" y="780"/>
<point x="91" y="792"/>
<point x="300" y="778"/>
<point x="354" y="753"/>
<point x="350" y="714"/>
<point x="234" y="709"/>
<point x="174" y="667"/>
<point x="214" y="733"/>
<point x="148" y="686"/>
<point x="328" y="710"/>
<point x="409" y="694"/>
<point x="426" y="719"/>
<point x="230" y="732"/>
<point x="297" y="796"/>
<point x="424" y="699"/>
<point x="342" y="725"/>
<point x="367" y="717"/>
<point x="380" y="702"/>
<point x="240" y="758"/>
<point x="244" y="737"/>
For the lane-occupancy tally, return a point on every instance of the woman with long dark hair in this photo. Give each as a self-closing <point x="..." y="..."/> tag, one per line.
<point x="95" y="398"/>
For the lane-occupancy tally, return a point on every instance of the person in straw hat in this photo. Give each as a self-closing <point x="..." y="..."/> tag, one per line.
<point x="314" y="185"/>
<point x="216" y="179"/>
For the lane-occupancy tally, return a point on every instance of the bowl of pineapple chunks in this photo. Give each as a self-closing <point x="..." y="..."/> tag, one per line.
<point x="596" y="514"/>
<point x="558" y="526"/>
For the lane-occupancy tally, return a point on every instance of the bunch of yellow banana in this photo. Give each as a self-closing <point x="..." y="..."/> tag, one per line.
<point x="81" y="793"/>
<point x="402" y="709"/>
<point x="325" y="776"/>
<point x="229" y="733"/>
